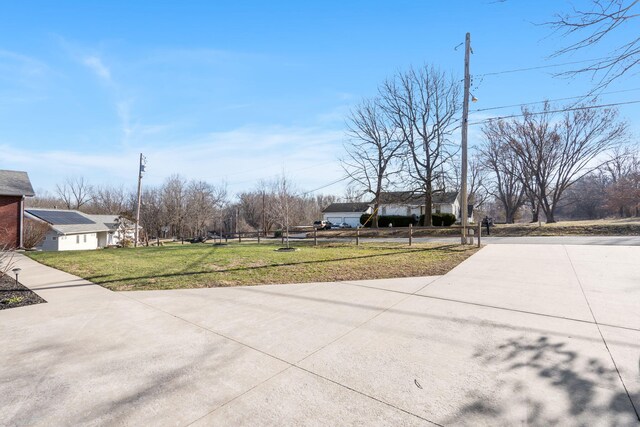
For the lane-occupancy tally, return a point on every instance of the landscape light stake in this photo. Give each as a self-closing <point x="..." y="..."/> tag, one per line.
<point x="16" y="271"/>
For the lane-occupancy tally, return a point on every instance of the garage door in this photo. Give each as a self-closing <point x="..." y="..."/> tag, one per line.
<point x="353" y="221"/>
<point x="334" y="219"/>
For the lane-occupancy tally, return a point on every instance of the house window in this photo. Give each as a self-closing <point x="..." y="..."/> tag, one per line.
<point x="384" y="210"/>
<point x="53" y="238"/>
<point x="77" y="238"/>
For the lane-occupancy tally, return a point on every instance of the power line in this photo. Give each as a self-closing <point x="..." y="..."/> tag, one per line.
<point x="552" y="100"/>
<point x="556" y="111"/>
<point x="326" y="185"/>
<point x="540" y="67"/>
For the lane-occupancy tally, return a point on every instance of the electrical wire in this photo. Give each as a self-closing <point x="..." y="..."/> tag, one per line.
<point x="326" y="185"/>
<point x="589" y="107"/>
<point x="551" y="100"/>
<point x="540" y="67"/>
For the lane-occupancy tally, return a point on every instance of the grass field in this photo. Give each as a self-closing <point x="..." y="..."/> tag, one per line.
<point x="207" y="265"/>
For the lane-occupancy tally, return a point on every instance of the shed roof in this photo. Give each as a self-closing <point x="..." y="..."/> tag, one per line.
<point x="15" y="183"/>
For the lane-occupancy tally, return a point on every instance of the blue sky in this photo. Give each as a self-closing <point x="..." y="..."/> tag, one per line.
<point x="240" y="91"/>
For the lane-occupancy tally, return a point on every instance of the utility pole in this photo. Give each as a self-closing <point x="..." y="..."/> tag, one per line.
<point x="140" y="172"/>
<point x="465" y="121"/>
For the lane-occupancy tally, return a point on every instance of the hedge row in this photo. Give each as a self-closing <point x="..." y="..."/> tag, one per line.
<point x="437" y="219"/>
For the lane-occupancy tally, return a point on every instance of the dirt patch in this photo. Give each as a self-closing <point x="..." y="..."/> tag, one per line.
<point x="15" y="295"/>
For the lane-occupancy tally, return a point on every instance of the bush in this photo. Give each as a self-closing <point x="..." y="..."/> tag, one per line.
<point x="385" y="220"/>
<point x="440" y="219"/>
<point x="277" y="233"/>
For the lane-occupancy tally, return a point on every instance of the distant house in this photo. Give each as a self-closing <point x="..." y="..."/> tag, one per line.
<point x="407" y="203"/>
<point x="337" y="213"/>
<point x="14" y="187"/>
<point x="73" y="230"/>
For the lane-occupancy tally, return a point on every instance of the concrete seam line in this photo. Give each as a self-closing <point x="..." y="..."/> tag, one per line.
<point x="533" y="313"/>
<point x="367" y="395"/>
<point x="279" y="359"/>
<point x="239" y="396"/>
<point x="604" y="341"/>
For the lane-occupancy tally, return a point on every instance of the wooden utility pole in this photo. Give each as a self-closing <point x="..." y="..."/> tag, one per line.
<point x="465" y="121"/>
<point x="140" y="172"/>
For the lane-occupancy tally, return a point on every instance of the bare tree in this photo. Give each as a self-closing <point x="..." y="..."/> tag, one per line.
<point x="422" y="105"/>
<point x="202" y="199"/>
<point x="34" y="232"/>
<point x="552" y="155"/>
<point x="283" y="203"/>
<point x="372" y="151"/>
<point x="498" y="157"/>
<point x="7" y="254"/>
<point x="111" y="200"/>
<point x="595" y="25"/>
<point x="75" y="192"/>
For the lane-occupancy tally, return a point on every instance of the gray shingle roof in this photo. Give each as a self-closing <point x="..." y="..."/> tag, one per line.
<point x="346" y="207"/>
<point x="15" y="183"/>
<point x="410" y="198"/>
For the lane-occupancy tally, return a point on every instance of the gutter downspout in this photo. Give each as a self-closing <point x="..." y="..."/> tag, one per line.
<point x="21" y="239"/>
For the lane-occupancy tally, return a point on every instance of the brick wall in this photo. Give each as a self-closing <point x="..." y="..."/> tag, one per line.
<point x="10" y="220"/>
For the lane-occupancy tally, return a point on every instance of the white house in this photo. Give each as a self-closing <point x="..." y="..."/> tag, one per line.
<point x="406" y="203"/>
<point x="337" y="213"/>
<point x="73" y="230"/>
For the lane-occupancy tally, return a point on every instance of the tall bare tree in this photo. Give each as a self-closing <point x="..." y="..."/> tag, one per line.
<point x="372" y="151"/>
<point x="75" y="192"/>
<point x="552" y="154"/>
<point x="423" y="104"/>
<point x="498" y="157"/>
<point x="587" y="27"/>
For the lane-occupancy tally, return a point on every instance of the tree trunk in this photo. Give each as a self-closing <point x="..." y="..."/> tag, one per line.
<point x="427" y="208"/>
<point x="376" y="206"/>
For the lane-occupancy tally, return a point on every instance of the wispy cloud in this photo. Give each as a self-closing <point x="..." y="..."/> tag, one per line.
<point x="96" y="65"/>
<point x="240" y="157"/>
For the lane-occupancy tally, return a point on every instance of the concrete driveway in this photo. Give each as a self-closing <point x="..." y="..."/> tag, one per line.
<point x="516" y="335"/>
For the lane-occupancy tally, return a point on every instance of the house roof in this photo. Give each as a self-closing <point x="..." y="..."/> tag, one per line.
<point x="411" y="198"/>
<point x="445" y="197"/>
<point x="15" y="183"/>
<point x="346" y="207"/>
<point x="68" y="221"/>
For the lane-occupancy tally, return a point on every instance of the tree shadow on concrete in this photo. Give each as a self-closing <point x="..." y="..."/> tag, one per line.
<point x="578" y="389"/>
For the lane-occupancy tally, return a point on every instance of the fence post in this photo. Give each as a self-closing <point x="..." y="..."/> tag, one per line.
<point x="258" y="236"/>
<point x="226" y="238"/>
<point x="239" y="237"/>
<point x="410" y="234"/>
<point x="357" y="237"/>
<point x="479" y="232"/>
<point x="315" y="237"/>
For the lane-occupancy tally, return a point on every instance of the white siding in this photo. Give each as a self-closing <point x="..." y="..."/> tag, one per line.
<point x="76" y="242"/>
<point x="400" y="210"/>
<point x="351" y="218"/>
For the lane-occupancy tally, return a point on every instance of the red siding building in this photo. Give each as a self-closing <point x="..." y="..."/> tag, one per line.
<point x="14" y="187"/>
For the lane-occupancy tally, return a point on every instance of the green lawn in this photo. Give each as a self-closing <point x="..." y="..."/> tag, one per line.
<point x="206" y="265"/>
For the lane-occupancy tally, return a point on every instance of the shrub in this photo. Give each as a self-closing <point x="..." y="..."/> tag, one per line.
<point x="277" y="233"/>
<point x="440" y="219"/>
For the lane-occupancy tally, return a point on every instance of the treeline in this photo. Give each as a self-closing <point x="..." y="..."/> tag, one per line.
<point x="181" y="208"/>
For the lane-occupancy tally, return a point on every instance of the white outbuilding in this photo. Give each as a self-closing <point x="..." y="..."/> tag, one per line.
<point x="350" y="213"/>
